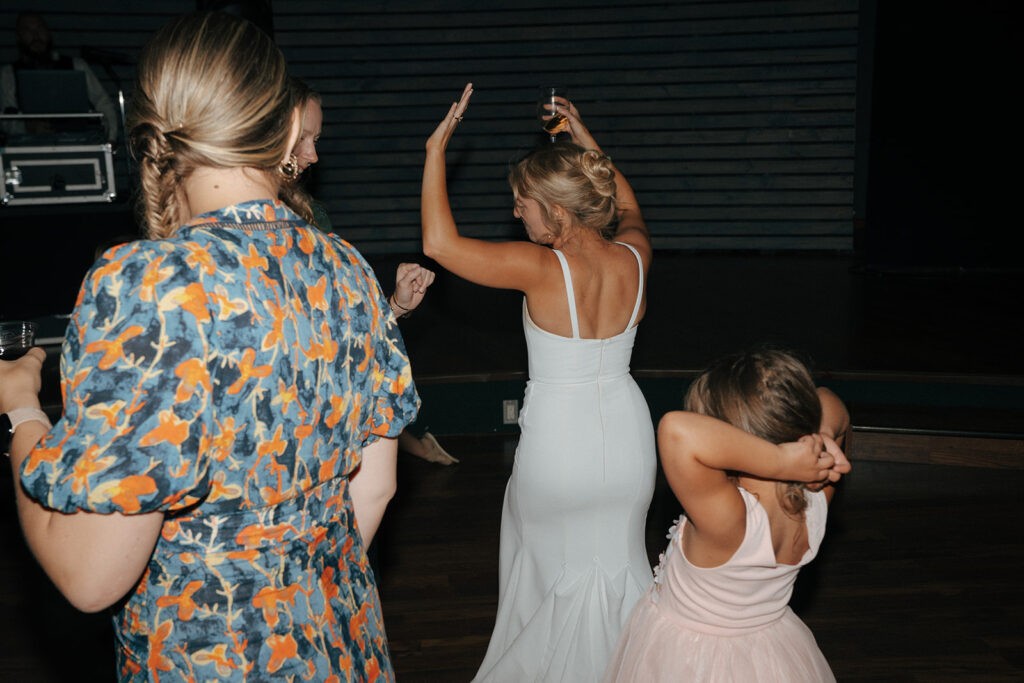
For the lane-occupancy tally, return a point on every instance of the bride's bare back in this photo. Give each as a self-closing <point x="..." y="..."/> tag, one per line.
<point x="605" y="278"/>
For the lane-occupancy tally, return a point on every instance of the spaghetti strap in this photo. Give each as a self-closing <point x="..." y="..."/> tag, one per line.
<point x="567" y="276"/>
<point x="640" y="287"/>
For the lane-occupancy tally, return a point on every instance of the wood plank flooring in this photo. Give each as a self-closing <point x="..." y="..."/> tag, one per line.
<point x="919" y="578"/>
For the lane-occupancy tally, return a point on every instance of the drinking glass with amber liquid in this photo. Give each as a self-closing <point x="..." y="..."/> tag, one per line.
<point x="552" y="122"/>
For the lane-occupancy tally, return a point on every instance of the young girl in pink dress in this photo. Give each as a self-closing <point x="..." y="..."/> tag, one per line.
<point x="755" y="426"/>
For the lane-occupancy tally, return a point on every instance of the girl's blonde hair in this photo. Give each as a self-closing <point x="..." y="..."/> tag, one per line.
<point x="579" y="180"/>
<point x="766" y="392"/>
<point x="211" y="90"/>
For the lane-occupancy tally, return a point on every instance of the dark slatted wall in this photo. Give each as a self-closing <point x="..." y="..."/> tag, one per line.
<point x="733" y="120"/>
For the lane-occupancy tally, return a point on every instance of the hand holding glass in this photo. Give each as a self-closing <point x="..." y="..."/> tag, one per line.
<point x="550" y="96"/>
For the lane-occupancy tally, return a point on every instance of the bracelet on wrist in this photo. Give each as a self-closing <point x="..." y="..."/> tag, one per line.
<point x="406" y="312"/>
<point x="11" y="420"/>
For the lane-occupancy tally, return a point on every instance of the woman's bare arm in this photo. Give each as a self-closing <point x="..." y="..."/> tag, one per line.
<point x="631" y="228"/>
<point x="505" y="265"/>
<point x="93" y="559"/>
<point x="373" y="486"/>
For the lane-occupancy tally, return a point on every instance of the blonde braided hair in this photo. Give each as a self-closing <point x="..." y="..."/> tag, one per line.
<point x="211" y="90"/>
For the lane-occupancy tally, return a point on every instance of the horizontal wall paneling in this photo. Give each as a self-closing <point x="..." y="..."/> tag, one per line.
<point x="734" y="121"/>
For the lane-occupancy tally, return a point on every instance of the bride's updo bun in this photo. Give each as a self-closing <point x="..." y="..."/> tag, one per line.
<point x="211" y="90"/>
<point x="579" y="180"/>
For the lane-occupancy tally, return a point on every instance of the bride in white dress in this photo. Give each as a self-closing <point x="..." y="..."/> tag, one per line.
<point x="572" y="559"/>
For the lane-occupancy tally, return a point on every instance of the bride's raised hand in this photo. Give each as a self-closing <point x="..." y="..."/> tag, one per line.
<point x="439" y="140"/>
<point x="580" y="135"/>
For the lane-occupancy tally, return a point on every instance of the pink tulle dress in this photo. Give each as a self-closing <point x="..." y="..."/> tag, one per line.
<point x="726" y="623"/>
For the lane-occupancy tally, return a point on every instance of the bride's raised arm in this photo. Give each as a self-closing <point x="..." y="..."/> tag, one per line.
<point x="631" y="228"/>
<point x="506" y="265"/>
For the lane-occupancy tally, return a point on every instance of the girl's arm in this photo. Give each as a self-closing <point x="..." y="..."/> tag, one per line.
<point x="93" y="559"/>
<point x="697" y="452"/>
<point x="631" y="229"/>
<point x="506" y="265"/>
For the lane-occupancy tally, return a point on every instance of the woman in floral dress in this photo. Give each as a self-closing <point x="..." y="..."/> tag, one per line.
<point x="232" y="389"/>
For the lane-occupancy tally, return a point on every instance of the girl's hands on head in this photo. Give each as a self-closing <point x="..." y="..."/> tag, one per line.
<point x="841" y="465"/>
<point x="20" y="381"/>
<point x="580" y="135"/>
<point x="811" y="459"/>
<point x="832" y="463"/>
<point x="438" y="141"/>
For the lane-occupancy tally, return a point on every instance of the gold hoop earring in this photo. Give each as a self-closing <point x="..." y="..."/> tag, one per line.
<point x="290" y="168"/>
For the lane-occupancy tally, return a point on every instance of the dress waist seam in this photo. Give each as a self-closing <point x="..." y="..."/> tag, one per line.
<point x="596" y="380"/>
<point x="712" y="629"/>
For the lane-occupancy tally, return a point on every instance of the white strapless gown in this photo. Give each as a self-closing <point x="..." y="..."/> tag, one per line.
<point x="573" y="561"/>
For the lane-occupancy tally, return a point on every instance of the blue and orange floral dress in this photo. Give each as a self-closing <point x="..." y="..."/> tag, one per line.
<point x="230" y="376"/>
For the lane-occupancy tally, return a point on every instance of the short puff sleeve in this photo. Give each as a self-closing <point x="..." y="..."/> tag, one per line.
<point x="136" y="391"/>
<point x="393" y="400"/>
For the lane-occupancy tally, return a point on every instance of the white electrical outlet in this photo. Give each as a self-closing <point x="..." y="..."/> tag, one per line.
<point x="510" y="411"/>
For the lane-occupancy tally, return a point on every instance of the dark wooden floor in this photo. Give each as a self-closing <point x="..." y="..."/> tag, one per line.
<point x="919" y="578"/>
